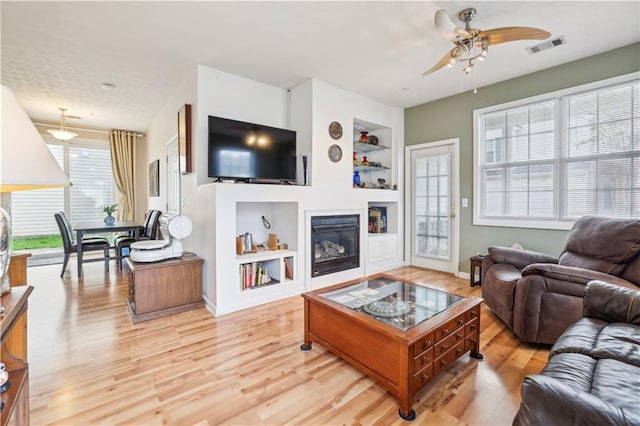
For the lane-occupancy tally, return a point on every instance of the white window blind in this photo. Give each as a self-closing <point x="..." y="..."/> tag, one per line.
<point x="32" y="211"/>
<point x="92" y="178"/>
<point x="548" y="161"/>
<point x="88" y="164"/>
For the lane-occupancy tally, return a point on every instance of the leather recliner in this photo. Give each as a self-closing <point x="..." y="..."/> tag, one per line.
<point x="593" y="373"/>
<point x="539" y="295"/>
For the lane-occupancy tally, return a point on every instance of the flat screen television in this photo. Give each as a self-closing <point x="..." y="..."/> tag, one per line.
<point x="251" y="152"/>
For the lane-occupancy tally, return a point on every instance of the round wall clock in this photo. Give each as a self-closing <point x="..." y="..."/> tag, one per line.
<point x="335" y="130"/>
<point x="335" y="153"/>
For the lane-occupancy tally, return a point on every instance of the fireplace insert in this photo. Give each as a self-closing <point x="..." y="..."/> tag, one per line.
<point x="335" y="243"/>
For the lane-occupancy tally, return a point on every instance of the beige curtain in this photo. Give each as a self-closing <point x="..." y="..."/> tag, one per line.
<point x="123" y="160"/>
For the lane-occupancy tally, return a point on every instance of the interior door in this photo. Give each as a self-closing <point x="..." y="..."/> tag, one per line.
<point x="173" y="177"/>
<point x="434" y="213"/>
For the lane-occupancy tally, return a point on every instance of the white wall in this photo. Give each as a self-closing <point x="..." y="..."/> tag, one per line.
<point x="229" y="96"/>
<point x="163" y="128"/>
<point x="301" y="120"/>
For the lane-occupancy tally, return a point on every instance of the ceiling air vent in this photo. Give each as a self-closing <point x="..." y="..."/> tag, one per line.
<point x="554" y="42"/>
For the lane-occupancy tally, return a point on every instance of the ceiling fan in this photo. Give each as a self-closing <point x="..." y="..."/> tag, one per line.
<point x="472" y="44"/>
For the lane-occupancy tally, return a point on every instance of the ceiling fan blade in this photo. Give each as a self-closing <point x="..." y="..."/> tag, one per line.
<point x="446" y="27"/>
<point x="507" y="34"/>
<point x="443" y="62"/>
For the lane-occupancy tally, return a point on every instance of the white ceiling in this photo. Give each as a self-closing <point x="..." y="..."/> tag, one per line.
<point x="57" y="54"/>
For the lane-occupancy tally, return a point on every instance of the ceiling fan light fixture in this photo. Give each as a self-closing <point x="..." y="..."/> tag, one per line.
<point x="472" y="44"/>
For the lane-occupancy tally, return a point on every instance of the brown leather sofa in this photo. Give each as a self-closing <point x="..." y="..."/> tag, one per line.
<point x="593" y="373"/>
<point x="538" y="295"/>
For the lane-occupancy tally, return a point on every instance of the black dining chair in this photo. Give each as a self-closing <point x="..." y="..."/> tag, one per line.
<point x="88" y="244"/>
<point x="122" y="243"/>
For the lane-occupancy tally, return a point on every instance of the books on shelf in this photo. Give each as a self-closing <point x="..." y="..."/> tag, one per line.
<point x="254" y="275"/>
<point x="288" y="270"/>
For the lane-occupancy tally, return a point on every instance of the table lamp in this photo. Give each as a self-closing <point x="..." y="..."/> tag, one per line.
<point x="25" y="163"/>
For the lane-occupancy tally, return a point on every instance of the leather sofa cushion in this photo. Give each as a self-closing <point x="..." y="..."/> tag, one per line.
<point x="621" y="342"/>
<point x="600" y="339"/>
<point x="574" y="370"/>
<point x="612" y="381"/>
<point x="580" y="338"/>
<point x="617" y="383"/>
<point x="602" y="244"/>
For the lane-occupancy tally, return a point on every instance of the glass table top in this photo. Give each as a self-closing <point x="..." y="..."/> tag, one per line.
<point x="397" y="303"/>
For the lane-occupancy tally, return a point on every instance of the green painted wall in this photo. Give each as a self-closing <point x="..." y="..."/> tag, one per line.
<point x="452" y="117"/>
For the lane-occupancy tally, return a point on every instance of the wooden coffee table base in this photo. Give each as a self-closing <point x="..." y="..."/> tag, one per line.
<point x="401" y="361"/>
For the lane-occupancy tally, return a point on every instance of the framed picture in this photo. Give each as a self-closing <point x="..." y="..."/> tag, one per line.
<point x="184" y="139"/>
<point x="154" y="179"/>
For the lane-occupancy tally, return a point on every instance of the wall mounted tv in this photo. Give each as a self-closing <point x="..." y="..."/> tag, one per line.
<point x="251" y="152"/>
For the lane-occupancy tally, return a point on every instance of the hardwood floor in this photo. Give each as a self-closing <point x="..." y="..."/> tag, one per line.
<point x="89" y="364"/>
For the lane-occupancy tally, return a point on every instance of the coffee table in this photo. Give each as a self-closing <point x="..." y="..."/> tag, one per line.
<point x="397" y="332"/>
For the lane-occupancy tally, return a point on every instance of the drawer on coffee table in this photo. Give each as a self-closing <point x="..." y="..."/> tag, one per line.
<point x="423" y="344"/>
<point x="422" y="360"/>
<point x="449" y="327"/>
<point x="472" y="327"/>
<point x="421" y="377"/>
<point x="473" y="313"/>
<point x="451" y="355"/>
<point x="443" y="346"/>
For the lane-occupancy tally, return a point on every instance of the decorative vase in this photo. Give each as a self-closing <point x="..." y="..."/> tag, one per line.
<point x="365" y="162"/>
<point x="364" y="137"/>
<point x="109" y="220"/>
<point x="373" y="139"/>
<point x="356" y="178"/>
<point x="355" y="158"/>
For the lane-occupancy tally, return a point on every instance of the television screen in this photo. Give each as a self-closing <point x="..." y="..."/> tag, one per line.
<point x="246" y="151"/>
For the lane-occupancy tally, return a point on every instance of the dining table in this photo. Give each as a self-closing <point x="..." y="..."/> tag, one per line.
<point x="100" y="227"/>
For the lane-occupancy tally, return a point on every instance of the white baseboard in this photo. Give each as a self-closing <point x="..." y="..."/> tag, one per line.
<point x="464" y="275"/>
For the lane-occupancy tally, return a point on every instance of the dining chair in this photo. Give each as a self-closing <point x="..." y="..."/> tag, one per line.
<point x="71" y="246"/>
<point x="122" y="243"/>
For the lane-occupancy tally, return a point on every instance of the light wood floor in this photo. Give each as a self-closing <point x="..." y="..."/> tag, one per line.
<point x="90" y="365"/>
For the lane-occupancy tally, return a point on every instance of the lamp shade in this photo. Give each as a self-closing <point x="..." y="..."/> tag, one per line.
<point x="25" y="161"/>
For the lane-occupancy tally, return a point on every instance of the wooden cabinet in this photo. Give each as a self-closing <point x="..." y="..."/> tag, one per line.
<point x="163" y="288"/>
<point x="13" y="326"/>
<point x="18" y="269"/>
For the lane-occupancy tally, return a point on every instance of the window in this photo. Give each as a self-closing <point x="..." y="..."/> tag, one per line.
<point x="543" y="162"/>
<point x="88" y="165"/>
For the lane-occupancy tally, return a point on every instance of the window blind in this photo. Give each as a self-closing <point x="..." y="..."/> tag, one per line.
<point x="569" y="155"/>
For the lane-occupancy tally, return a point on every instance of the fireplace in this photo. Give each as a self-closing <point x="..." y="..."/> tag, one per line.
<point x="335" y="243"/>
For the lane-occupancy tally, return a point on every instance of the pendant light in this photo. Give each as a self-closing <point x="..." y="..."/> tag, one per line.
<point x="62" y="133"/>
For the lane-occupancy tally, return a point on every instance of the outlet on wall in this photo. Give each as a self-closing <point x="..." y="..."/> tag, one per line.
<point x="465" y="202"/>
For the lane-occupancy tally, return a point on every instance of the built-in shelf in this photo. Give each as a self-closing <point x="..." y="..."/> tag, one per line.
<point x="377" y="172"/>
<point x="361" y="148"/>
<point x="278" y="265"/>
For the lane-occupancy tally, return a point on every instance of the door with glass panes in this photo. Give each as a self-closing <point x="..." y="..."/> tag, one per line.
<point x="434" y="240"/>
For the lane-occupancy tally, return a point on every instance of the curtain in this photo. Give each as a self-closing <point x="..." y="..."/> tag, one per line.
<point x="123" y="159"/>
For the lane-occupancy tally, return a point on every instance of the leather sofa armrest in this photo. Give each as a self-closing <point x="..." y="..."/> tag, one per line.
<point x="547" y="401"/>
<point x="612" y="303"/>
<point x="573" y="274"/>
<point x="519" y="258"/>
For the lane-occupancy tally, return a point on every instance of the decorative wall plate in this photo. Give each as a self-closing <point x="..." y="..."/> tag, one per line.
<point x="335" y="153"/>
<point x="335" y="130"/>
